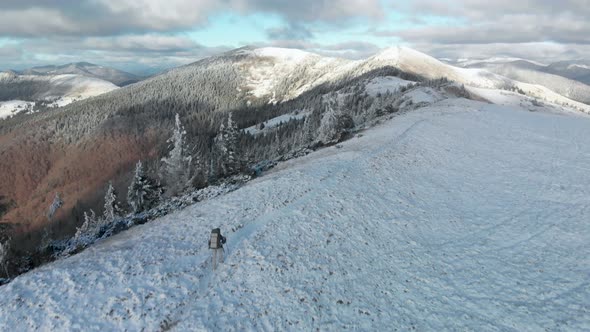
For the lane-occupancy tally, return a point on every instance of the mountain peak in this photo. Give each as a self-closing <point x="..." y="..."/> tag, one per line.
<point x="401" y="52"/>
<point x="277" y="52"/>
<point x="88" y="69"/>
<point x="85" y="64"/>
<point x="290" y="54"/>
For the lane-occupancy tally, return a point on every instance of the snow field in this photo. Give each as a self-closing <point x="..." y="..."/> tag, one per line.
<point x="12" y="107"/>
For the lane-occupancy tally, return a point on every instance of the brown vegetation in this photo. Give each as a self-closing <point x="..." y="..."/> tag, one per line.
<point x="35" y="169"/>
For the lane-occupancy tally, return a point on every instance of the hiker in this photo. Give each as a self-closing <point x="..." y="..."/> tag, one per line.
<point x="216" y="241"/>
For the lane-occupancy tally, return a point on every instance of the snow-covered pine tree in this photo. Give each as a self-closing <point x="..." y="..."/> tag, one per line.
<point x="143" y="192"/>
<point x="226" y="142"/>
<point x="278" y="144"/>
<point x="219" y="151"/>
<point x="328" y="131"/>
<point x="231" y="141"/>
<point x="177" y="167"/>
<point x="307" y="135"/>
<point x="55" y="205"/>
<point x="334" y="123"/>
<point x="201" y="171"/>
<point x="86" y="233"/>
<point x="111" y="207"/>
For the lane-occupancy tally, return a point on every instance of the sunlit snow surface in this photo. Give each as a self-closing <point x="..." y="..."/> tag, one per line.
<point x="274" y="122"/>
<point x="12" y="107"/>
<point x="384" y="84"/>
<point x="458" y="216"/>
<point x="61" y="90"/>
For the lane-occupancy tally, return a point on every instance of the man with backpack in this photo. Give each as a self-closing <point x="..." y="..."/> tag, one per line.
<point x="216" y="242"/>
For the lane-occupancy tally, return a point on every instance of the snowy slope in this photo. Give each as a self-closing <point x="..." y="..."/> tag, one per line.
<point x="482" y="63"/>
<point x="277" y="74"/>
<point x="509" y="98"/>
<point x="115" y="76"/>
<point x="384" y="84"/>
<point x="577" y="70"/>
<point x="274" y="122"/>
<point x="13" y="107"/>
<point x="529" y="73"/>
<point x="415" y="62"/>
<point x="458" y="216"/>
<point x="281" y="74"/>
<point x="79" y="87"/>
<point x="62" y="89"/>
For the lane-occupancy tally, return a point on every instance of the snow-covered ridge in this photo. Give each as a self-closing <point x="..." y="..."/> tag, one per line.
<point x="283" y="53"/>
<point x="445" y="218"/>
<point x="112" y="75"/>
<point x="495" y="60"/>
<point x="59" y="90"/>
<point x="277" y="74"/>
<point x="81" y="86"/>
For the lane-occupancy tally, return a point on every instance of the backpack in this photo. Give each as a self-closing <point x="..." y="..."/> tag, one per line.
<point x="215" y="239"/>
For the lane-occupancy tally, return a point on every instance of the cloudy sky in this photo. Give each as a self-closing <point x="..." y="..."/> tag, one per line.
<point x="148" y="35"/>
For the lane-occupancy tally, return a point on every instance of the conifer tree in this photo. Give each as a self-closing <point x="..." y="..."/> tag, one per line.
<point x="177" y="167"/>
<point x="328" y="131"/>
<point x="278" y="144"/>
<point x="88" y="231"/>
<point x="227" y="141"/>
<point x="111" y="206"/>
<point x="231" y="141"/>
<point x="307" y="135"/>
<point x="143" y="192"/>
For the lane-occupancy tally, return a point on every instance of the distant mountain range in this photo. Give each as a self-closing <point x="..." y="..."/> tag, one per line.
<point x="115" y="76"/>
<point x="568" y="78"/>
<point x="578" y="70"/>
<point x="33" y="91"/>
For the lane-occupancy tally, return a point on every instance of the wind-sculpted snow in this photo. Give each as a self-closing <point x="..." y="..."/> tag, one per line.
<point x="458" y="216"/>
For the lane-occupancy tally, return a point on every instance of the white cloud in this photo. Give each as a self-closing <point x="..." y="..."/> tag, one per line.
<point x="546" y="52"/>
<point x="37" y="18"/>
<point x="140" y="43"/>
<point x="34" y="21"/>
